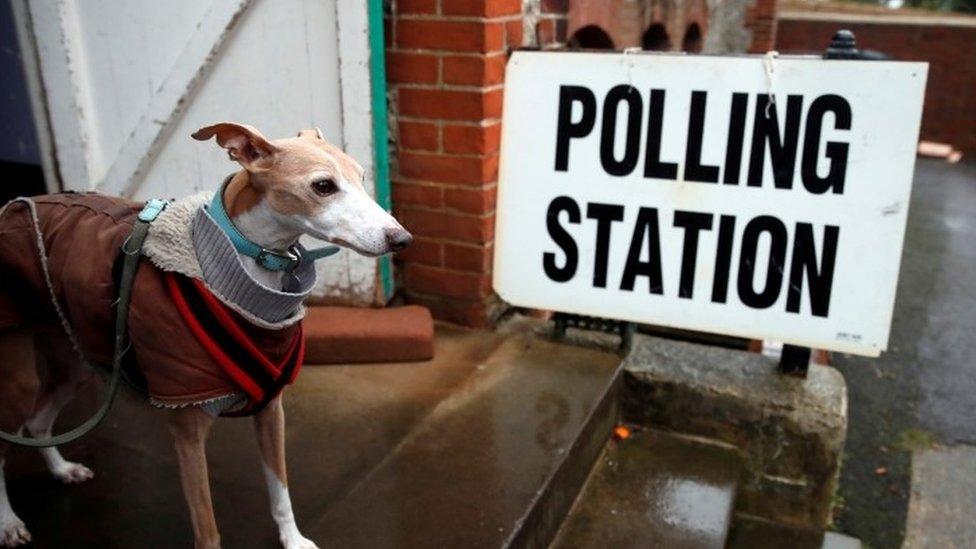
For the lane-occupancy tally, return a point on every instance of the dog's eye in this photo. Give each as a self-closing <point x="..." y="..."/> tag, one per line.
<point x="325" y="187"/>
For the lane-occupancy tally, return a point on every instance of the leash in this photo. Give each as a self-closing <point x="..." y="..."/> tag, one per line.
<point x="269" y="259"/>
<point x="132" y="248"/>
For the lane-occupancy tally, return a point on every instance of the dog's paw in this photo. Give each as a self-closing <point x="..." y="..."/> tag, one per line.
<point x="297" y="541"/>
<point x="13" y="533"/>
<point x="72" y="473"/>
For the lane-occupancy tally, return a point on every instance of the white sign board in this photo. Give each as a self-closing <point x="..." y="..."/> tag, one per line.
<point x="732" y="195"/>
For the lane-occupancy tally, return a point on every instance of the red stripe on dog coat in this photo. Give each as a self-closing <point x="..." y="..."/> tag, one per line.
<point x="217" y="330"/>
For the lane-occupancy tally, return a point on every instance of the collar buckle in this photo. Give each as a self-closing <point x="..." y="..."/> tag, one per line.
<point x="277" y="261"/>
<point x="295" y="252"/>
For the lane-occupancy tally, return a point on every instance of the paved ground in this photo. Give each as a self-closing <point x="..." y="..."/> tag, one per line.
<point x="923" y="390"/>
<point x="943" y="498"/>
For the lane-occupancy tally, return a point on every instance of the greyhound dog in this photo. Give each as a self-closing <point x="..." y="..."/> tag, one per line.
<point x="287" y="188"/>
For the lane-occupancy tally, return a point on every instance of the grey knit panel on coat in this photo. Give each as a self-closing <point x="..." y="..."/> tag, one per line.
<point x="224" y="273"/>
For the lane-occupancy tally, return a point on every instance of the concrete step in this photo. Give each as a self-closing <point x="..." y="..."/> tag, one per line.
<point x="495" y="464"/>
<point x="655" y="489"/>
<point x="749" y="532"/>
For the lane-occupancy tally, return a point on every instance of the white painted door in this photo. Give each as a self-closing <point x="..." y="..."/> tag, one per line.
<point x="127" y="81"/>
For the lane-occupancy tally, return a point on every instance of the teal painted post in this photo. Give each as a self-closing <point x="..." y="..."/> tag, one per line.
<point x="377" y="69"/>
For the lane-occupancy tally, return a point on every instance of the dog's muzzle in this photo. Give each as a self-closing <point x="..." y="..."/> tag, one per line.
<point x="397" y="239"/>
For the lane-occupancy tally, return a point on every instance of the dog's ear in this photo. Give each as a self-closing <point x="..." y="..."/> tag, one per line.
<point x="244" y="143"/>
<point x="311" y="133"/>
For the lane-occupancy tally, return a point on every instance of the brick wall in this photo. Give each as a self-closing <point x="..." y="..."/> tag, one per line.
<point x="948" y="44"/>
<point x="445" y="67"/>
<point x="551" y="23"/>
<point x="446" y="70"/>
<point x="761" y="22"/>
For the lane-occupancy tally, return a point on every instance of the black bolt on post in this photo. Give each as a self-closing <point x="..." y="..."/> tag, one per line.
<point x="627" y="337"/>
<point x="794" y="360"/>
<point x="560" y="325"/>
<point x="842" y="46"/>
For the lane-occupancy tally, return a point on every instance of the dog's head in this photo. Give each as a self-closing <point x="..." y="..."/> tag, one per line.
<point x="311" y="186"/>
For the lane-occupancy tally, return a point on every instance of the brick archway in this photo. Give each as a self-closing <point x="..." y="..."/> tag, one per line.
<point x="591" y="37"/>
<point x="656" y="38"/>
<point x="692" y="41"/>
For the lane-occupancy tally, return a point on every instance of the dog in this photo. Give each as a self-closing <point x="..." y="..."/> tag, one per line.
<point x="285" y="188"/>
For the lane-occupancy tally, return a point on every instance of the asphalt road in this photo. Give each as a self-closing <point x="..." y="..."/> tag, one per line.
<point x="923" y="389"/>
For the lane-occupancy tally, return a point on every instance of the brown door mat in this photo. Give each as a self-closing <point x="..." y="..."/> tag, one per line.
<point x="341" y="335"/>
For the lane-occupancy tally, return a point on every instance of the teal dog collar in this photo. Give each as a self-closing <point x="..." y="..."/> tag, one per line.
<point x="271" y="260"/>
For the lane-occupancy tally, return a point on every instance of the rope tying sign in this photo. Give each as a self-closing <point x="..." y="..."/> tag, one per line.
<point x="768" y="66"/>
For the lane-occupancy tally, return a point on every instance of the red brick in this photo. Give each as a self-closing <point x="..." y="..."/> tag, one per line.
<point x="340" y="335"/>
<point x="416" y="6"/>
<point x="411" y="68"/>
<point x="472" y="201"/>
<point x="472" y="36"/>
<point x="418" y="136"/>
<point x="472" y="139"/>
<point x="474" y="70"/>
<point x="495" y="69"/>
<point x="437" y="281"/>
<point x="475" y="259"/>
<point x="490" y="171"/>
<point x="481" y="8"/>
<point x="440" y="168"/>
<point x="546" y="31"/>
<point x="421" y="195"/>
<point x="449" y="104"/>
<point x="551" y="30"/>
<point x="422" y="250"/>
<point x="493" y="104"/>
<point x="446" y="225"/>
<point x="513" y="33"/>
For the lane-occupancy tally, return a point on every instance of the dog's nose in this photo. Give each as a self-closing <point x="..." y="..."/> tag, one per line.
<point x="398" y="239"/>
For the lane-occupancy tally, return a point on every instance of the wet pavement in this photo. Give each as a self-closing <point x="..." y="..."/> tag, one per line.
<point x="748" y="533"/>
<point x="655" y="490"/>
<point x="940" y="292"/>
<point x="943" y="498"/>
<point x="923" y="389"/>
<point x="446" y="453"/>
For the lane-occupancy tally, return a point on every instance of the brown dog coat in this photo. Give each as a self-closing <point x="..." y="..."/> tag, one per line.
<point x="82" y="235"/>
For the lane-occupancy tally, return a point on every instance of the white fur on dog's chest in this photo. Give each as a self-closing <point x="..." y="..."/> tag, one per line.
<point x="261" y="219"/>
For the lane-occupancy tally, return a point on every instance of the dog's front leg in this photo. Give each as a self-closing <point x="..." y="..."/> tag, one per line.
<point x="270" y="426"/>
<point x="190" y="427"/>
